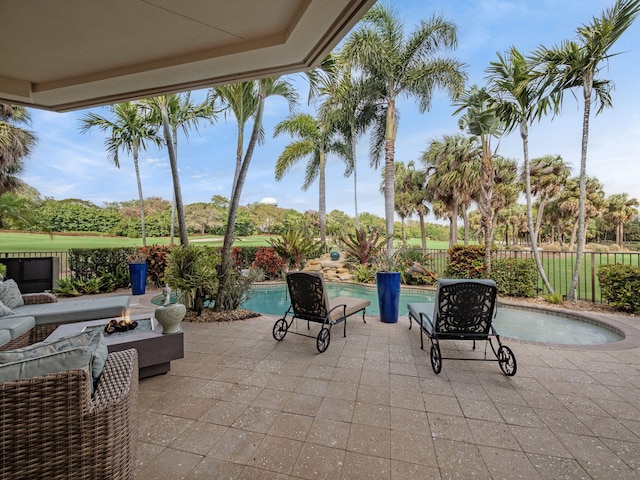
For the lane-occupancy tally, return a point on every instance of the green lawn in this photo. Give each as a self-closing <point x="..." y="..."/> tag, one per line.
<point x="40" y="242"/>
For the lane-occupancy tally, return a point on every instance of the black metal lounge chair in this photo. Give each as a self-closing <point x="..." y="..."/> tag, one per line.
<point x="309" y="301"/>
<point x="464" y="310"/>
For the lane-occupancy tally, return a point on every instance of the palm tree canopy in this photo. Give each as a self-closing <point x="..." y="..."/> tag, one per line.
<point x="393" y="66"/>
<point x="16" y="143"/>
<point x="577" y="63"/>
<point x="128" y="130"/>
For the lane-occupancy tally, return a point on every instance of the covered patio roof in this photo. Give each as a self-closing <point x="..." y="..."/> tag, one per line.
<point x="69" y="54"/>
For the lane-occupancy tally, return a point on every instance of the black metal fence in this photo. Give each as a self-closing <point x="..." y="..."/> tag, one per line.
<point x="558" y="267"/>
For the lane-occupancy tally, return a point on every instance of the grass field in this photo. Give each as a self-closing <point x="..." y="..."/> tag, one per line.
<point x="39" y="242"/>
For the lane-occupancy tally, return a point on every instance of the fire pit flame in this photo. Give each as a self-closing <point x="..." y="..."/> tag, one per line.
<point x="121" y="324"/>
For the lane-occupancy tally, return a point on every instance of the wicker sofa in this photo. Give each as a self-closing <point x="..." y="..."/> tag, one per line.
<point x="51" y="427"/>
<point x="41" y="314"/>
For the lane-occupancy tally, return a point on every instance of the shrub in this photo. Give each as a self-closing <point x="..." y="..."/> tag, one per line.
<point x="244" y="256"/>
<point x="236" y="288"/>
<point x="551" y="247"/>
<point x="88" y="263"/>
<point x="614" y="248"/>
<point x="620" y="286"/>
<point x="515" y="277"/>
<point x="466" y="262"/>
<point x="157" y="260"/>
<point x="269" y="262"/>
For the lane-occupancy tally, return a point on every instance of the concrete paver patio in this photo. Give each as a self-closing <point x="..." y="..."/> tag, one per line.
<point x="241" y="405"/>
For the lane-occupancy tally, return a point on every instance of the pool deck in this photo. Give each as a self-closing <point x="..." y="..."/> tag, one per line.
<point x="242" y="406"/>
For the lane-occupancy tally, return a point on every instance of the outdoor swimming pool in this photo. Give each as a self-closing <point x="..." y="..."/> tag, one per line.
<point x="523" y="324"/>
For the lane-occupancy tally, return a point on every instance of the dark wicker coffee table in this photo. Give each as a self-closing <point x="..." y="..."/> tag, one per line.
<point x="155" y="350"/>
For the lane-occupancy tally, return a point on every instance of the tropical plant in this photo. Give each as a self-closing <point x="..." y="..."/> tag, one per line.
<point x="393" y="67"/>
<point x="129" y="130"/>
<point x="246" y="100"/>
<point x="577" y="64"/>
<point x="363" y="245"/>
<point x="294" y="246"/>
<point x="192" y="271"/>
<point x="316" y="140"/>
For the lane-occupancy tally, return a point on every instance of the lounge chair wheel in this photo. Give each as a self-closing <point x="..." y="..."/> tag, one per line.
<point x="324" y="337"/>
<point x="436" y="359"/>
<point x="507" y="361"/>
<point x="280" y="329"/>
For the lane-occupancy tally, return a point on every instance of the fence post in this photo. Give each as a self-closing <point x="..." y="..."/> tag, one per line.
<point x="593" y="277"/>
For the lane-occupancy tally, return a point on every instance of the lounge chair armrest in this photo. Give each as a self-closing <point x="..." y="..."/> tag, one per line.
<point x="118" y="382"/>
<point x="426" y="317"/>
<point x="38" y="298"/>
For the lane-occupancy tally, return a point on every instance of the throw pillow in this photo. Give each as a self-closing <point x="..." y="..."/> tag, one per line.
<point x="10" y="294"/>
<point x="91" y="339"/>
<point x="57" y="362"/>
<point x="4" y="310"/>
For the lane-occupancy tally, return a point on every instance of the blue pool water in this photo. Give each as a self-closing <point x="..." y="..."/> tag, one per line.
<point x="518" y="323"/>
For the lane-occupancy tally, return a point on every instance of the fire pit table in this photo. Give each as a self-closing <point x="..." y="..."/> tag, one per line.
<point x="155" y="350"/>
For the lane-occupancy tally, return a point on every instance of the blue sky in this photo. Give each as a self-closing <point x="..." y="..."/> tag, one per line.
<point x="67" y="164"/>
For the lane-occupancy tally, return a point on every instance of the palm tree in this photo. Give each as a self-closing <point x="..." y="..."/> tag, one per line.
<point x="548" y="176"/>
<point x="482" y="118"/>
<point x="246" y="101"/>
<point x="621" y="209"/>
<point x="129" y="130"/>
<point x="511" y="81"/>
<point x="171" y="112"/>
<point x="576" y="64"/>
<point x="403" y="204"/>
<point x="349" y="111"/>
<point x="314" y="140"/>
<point x="453" y="174"/>
<point x="569" y="204"/>
<point x="16" y="144"/>
<point x="391" y="68"/>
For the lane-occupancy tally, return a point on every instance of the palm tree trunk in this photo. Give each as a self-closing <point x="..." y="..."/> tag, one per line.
<point x="453" y="226"/>
<point x="423" y="232"/>
<point x="355" y="173"/>
<point x="173" y="161"/>
<point x="465" y="223"/>
<point x="389" y="173"/>
<point x="486" y="194"/>
<point x="533" y="232"/>
<point x="322" y="210"/>
<point x="587" y="90"/>
<point x="140" y="196"/>
<point x="239" y="148"/>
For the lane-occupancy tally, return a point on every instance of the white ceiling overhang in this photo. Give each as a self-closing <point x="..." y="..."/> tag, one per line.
<point x="68" y="54"/>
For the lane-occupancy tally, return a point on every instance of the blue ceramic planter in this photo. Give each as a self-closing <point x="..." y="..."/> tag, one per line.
<point x="138" y="274"/>
<point x="388" y="295"/>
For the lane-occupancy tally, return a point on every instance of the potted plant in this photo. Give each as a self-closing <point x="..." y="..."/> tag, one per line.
<point x="138" y="271"/>
<point x="388" y="283"/>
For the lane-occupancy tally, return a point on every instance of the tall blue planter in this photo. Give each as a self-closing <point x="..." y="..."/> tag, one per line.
<point x="138" y="274"/>
<point x="388" y="295"/>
